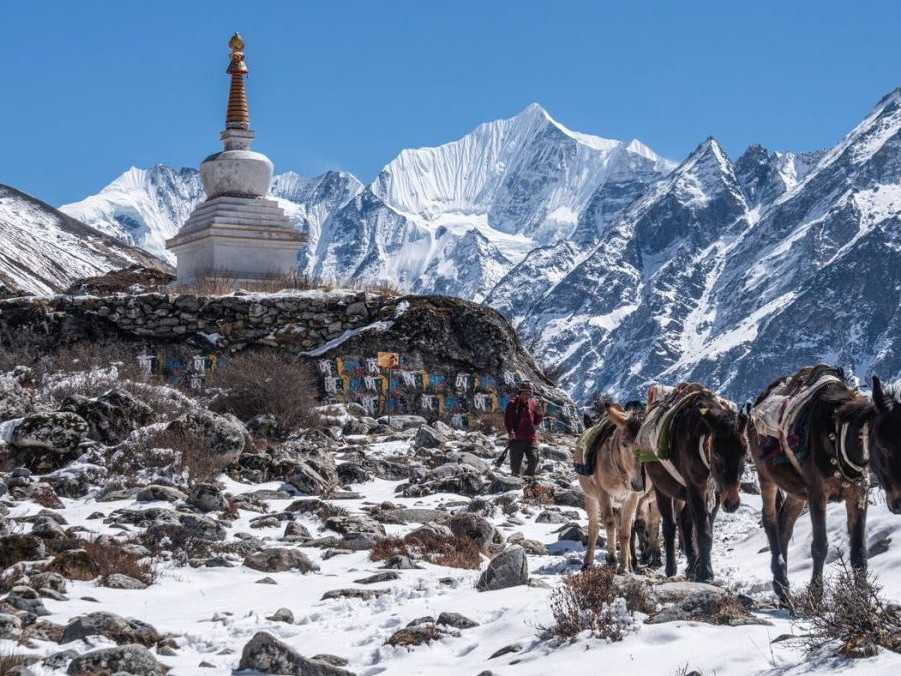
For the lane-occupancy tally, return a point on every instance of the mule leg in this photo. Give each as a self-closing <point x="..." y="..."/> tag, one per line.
<point x="769" y="492"/>
<point x="609" y="517"/>
<point x="668" y="521"/>
<point x="687" y="538"/>
<point x="703" y="533"/>
<point x="856" y="507"/>
<point x="626" y="519"/>
<point x="592" y="507"/>
<point x="788" y="514"/>
<point x="651" y="540"/>
<point x="819" y="547"/>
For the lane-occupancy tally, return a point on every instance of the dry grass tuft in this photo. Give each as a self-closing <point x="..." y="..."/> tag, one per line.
<point x="9" y="661"/>
<point x="110" y="558"/>
<point x="538" y="495"/>
<point x="450" y="551"/>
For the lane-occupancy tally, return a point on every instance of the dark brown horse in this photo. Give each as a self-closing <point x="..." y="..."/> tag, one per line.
<point x="822" y="456"/>
<point x="706" y="458"/>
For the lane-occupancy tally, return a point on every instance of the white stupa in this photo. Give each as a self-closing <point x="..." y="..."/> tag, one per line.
<point x="237" y="233"/>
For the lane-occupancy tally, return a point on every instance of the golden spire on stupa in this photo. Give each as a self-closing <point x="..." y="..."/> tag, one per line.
<point x="237" y="115"/>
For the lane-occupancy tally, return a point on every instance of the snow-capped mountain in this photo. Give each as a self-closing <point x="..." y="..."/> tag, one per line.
<point x="43" y="250"/>
<point x="519" y="183"/>
<point x="145" y="207"/>
<point x="734" y="274"/>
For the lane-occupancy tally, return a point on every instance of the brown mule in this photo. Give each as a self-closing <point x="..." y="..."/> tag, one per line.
<point x="841" y="427"/>
<point x="705" y="448"/>
<point x="608" y="489"/>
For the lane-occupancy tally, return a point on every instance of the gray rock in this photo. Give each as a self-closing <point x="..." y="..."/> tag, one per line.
<point x="10" y="627"/>
<point x="278" y="559"/>
<point x="112" y="416"/>
<point x="456" y="620"/>
<point x="267" y="655"/>
<point x="477" y="528"/>
<point x="134" y="660"/>
<point x="119" y="629"/>
<point x="156" y="493"/>
<point x="675" y="592"/>
<point x="378" y="577"/>
<point x="282" y="615"/>
<point x="60" y="659"/>
<point x="224" y="434"/>
<point x="510" y="568"/>
<point x="206" y="497"/>
<point x="402" y="422"/>
<point x="351" y="593"/>
<point x="707" y="606"/>
<point x="25" y="598"/>
<point x="120" y="581"/>
<point x="428" y="437"/>
<point x="59" y="432"/>
<point x="53" y="581"/>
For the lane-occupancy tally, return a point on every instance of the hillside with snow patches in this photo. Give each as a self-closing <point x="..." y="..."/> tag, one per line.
<point x="617" y="266"/>
<point x="43" y="250"/>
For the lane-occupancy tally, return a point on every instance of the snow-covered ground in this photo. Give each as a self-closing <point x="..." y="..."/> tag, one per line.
<point x="213" y="612"/>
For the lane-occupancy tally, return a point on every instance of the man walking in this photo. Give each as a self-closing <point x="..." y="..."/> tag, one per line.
<point x="521" y="419"/>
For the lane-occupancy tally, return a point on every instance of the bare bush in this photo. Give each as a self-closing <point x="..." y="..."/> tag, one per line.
<point x="225" y="283"/>
<point x="9" y="661"/>
<point x="111" y="558"/>
<point x="849" y="609"/>
<point x="450" y="551"/>
<point x="591" y="601"/>
<point x="538" y="495"/>
<point x="264" y="382"/>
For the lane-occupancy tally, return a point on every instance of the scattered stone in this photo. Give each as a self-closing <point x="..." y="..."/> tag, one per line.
<point x="402" y="422"/>
<point x="296" y="529"/>
<point x="10" y="627"/>
<point x="477" y="528"/>
<point x="120" y="581"/>
<point x="267" y="655"/>
<point x="428" y="437"/>
<point x="415" y="635"/>
<point x="510" y="568"/>
<point x="25" y="598"/>
<point x="282" y="615"/>
<point x="456" y="620"/>
<point x="278" y="559"/>
<point x="156" y="493"/>
<point x="112" y="416"/>
<point x="362" y="594"/>
<point x="506" y="650"/>
<point x="74" y="564"/>
<point x="266" y="580"/>
<point x="378" y="577"/>
<point x="59" y="660"/>
<point x="134" y="660"/>
<point x="59" y="432"/>
<point x="16" y="548"/>
<point x="401" y="562"/>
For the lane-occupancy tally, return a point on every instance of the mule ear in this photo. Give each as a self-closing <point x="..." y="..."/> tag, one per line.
<point x="881" y="398"/>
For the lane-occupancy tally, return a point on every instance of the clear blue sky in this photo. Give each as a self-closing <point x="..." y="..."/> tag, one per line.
<point x="90" y="88"/>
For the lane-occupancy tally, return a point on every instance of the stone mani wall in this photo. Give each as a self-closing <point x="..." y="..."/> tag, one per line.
<point x="458" y="359"/>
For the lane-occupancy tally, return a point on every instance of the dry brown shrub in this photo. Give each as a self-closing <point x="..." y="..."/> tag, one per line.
<point x="9" y="661"/>
<point x="586" y="602"/>
<point x="267" y="382"/>
<point x="450" y="551"/>
<point x="224" y="283"/>
<point x="848" y="609"/>
<point x="110" y="558"/>
<point x="489" y="422"/>
<point x="195" y="459"/>
<point x="538" y="494"/>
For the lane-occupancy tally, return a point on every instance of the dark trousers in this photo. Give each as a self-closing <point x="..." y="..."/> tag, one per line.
<point x="517" y="450"/>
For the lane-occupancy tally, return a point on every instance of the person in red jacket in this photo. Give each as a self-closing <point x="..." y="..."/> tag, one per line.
<point x="521" y="419"/>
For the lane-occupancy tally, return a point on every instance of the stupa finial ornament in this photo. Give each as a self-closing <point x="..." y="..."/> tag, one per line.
<point x="237" y="115"/>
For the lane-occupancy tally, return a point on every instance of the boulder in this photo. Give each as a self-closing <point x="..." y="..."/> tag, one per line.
<point x="119" y="629"/>
<point x="206" y="497"/>
<point x="121" y="581"/>
<point x="713" y="607"/>
<point x="265" y="654"/>
<point x="59" y="432"/>
<point x="510" y="568"/>
<point x="112" y="416"/>
<point x="25" y="598"/>
<point x="477" y="528"/>
<point x="10" y="627"/>
<point x="224" y="434"/>
<point x="74" y="564"/>
<point x="16" y="548"/>
<point x="15" y="400"/>
<point x="134" y="660"/>
<point x="280" y="559"/>
<point x="282" y="615"/>
<point x="428" y="437"/>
